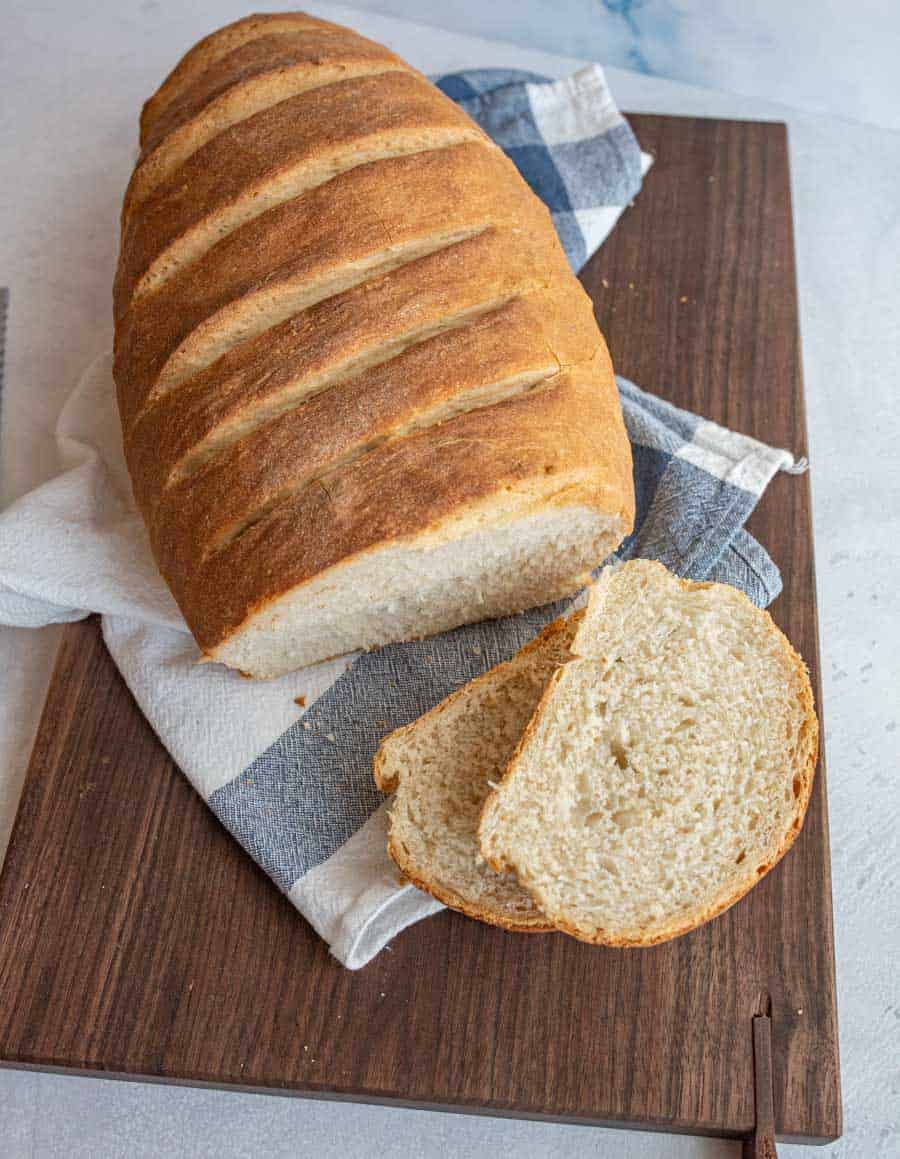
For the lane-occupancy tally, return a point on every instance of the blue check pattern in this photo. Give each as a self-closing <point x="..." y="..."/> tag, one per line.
<point x="600" y="168"/>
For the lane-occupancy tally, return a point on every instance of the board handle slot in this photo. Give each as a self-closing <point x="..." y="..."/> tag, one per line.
<point x="760" y="1143"/>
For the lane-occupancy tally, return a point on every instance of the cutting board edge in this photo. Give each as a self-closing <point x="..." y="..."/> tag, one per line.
<point x="374" y="1099"/>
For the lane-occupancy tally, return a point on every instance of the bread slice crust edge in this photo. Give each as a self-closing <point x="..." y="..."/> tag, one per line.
<point x="442" y="891"/>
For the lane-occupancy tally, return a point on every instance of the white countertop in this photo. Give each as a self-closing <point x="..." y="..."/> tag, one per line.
<point x="73" y="80"/>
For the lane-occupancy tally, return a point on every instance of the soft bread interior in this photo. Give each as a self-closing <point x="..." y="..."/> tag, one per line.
<point x="442" y="766"/>
<point x="405" y="591"/>
<point x="666" y="770"/>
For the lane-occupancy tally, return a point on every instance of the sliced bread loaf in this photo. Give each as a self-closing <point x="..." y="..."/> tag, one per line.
<point x="363" y="397"/>
<point x="667" y="768"/>
<point x="440" y="769"/>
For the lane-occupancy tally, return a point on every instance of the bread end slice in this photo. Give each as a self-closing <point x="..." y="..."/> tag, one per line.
<point x="667" y="767"/>
<point x="441" y="767"/>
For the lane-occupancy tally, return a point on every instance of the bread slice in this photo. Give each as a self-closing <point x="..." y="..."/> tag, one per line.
<point x="667" y="768"/>
<point x="441" y="767"/>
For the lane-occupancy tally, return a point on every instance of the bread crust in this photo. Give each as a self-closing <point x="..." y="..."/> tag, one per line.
<point x="803" y="772"/>
<point x="315" y="236"/>
<point x="212" y="48"/>
<point x="244" y="483"/>
<point x="319" y="126"/>
<point x="454" y="901"/>
<point x="329" y="336"/>
<point x="247" y="80"/>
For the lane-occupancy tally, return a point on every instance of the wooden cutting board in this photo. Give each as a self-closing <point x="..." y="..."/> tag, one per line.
<point x="137" y="939"/>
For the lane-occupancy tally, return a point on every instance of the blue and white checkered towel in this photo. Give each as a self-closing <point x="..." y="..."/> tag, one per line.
<point x="286" y="764"/>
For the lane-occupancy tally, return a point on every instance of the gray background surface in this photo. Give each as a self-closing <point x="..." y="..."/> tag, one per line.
<point x="73" y="80"/>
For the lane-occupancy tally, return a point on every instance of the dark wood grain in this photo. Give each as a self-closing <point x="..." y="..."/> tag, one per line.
<point x="137" y="939"/>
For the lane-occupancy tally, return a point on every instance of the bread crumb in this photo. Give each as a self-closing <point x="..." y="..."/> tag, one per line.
<point x="330" y="736"/>
<point x="683" y="298"/>
<point x="476" y="648"/>
<point x="604" y="283"/>
<point x="306" y="725"/>
<point x="631" y="285"/>
<point x="800" y="1010"/>
<point x="301" y="700"/>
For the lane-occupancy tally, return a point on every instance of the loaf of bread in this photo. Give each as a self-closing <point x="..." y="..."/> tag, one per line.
<point x="440" y="770"/>
<point x="363" y="398"/>
<point x="667" y="768"/>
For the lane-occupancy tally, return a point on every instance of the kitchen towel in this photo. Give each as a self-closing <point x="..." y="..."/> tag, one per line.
<point x="286" y="764"/>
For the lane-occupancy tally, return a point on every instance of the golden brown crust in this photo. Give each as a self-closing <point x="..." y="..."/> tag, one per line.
<point x="248" y="80"/>
<point x="211" y="48"/>
<point x="326" y="126"/>
<point x="273" y="498"/>
<point x="405" y="488"/>
<point x="803" y="775"/>
<point x="246" y="480"/>
<point x="265" y="54"/>
<point x="328" y="338"/>
<point x="313" y="237"/>
<point x="536" y="924"/>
